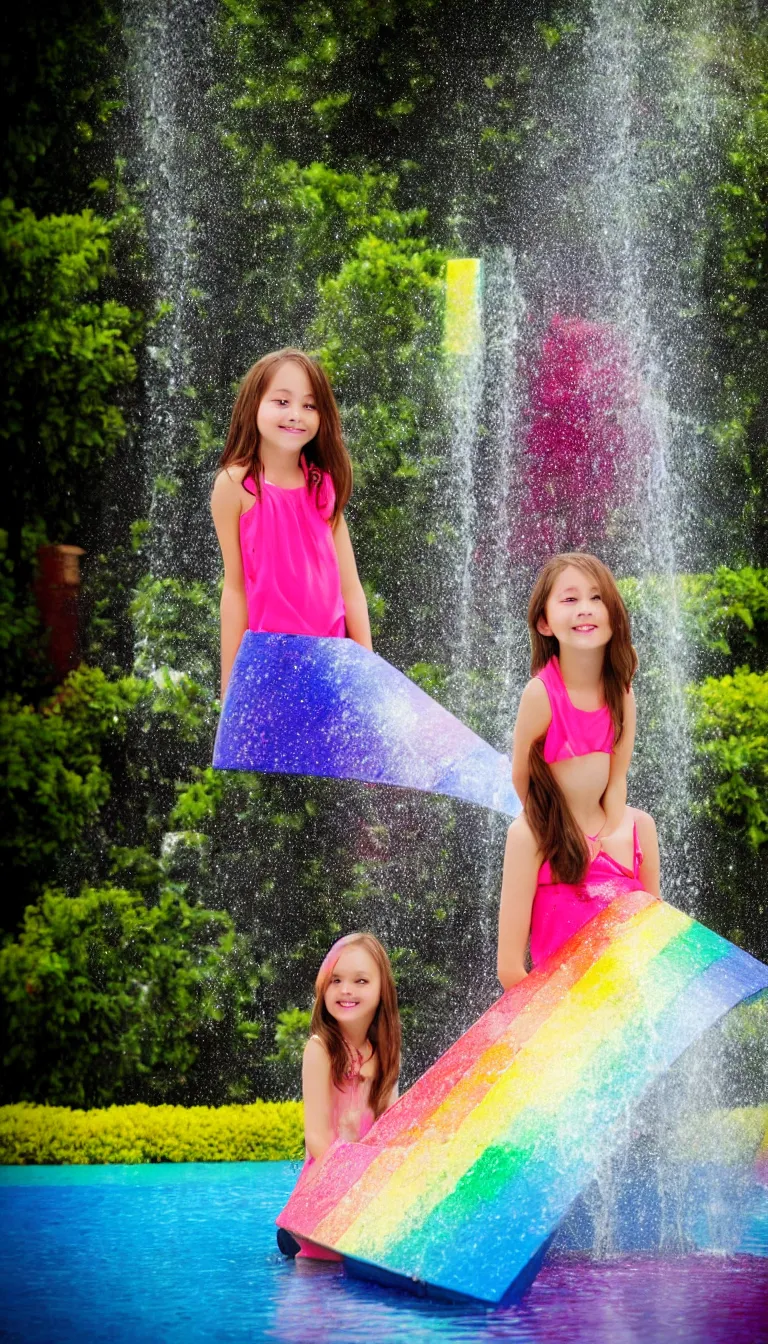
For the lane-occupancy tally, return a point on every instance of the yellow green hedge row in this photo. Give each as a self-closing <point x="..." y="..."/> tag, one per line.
<point x="265" y="1131"/>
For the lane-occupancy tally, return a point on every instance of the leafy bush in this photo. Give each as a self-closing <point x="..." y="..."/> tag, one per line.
<point x="266" y="1131"/>
<point x="66" y="351"/>
<point x="177" y="625"/>
<point x="731" y="729"/>
<point x="724" y="614"/>
<point x="54" y="783"/>
<point x="103" y="997"/>
<point x="23" y="639"/>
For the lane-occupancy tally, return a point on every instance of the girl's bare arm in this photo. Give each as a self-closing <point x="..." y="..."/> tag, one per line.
<point x="518" y="888"/>
<point x="225" y="507"/>
<point x="316" y="1085"/>
<point x="614" y="799"/>
<point x="533" y="719"/>
<point x="355" y="604"/>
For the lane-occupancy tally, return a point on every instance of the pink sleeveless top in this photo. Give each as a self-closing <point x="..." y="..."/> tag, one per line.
<point x="572" y="732"/>
<point x="352" y="1118"/>
<point x="560" y="908"/>
<point x="292" y="582"/>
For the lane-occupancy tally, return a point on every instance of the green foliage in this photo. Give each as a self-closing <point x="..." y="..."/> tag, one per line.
<point x="54" y="782"/>
<point x="291" y="1035"/>
<point x="60" y="91"/>
<point x="737" y="287"/>
<point x="23" y="640"/>
<point x="177" y="625"/>
<point x="724" y="615"/>
<point x="105" y="997"/>
<point x="265" y="1131"/>
<point x="731" y="727"/>
<point x="727" y="611"/>
<point x="381" y="303"/>
<point x="67" y="352"/>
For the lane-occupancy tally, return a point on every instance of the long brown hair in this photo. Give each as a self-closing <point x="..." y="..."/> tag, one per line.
<point x="383" y="1033"/>
<point x="559" y="837"/>
<point x="325" y="452"/>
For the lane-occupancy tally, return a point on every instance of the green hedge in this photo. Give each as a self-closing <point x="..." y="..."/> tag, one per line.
<point x="267" y="1131"/>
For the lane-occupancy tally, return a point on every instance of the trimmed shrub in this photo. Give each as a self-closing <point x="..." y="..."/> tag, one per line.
<point x="105" y="999"/>
<point x="266" y="1131"/>
<point x="731" y="734"/>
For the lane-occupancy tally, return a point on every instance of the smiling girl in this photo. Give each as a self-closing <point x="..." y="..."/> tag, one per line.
<point x="576" y="845"/>
<point x="278" y="507"/>
<point x="351" y="1060"/>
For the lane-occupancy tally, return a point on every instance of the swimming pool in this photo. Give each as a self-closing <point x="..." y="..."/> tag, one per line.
<point x="187" y="1252"/>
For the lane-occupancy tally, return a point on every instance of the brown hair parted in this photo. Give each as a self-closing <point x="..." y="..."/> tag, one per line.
<point x="549" y="816"/>
<point x="384" y="1032"/>
<point x="326" y="452"/>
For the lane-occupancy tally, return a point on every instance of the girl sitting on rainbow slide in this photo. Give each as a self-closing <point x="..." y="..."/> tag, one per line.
<point x="576" y="845"/>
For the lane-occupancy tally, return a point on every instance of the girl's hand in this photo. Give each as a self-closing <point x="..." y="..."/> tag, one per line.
<point x="533" y="719"/>
<point x="226" y="507"/>
<point x="522" y="861"/>
<point x="355" y="604"/>
<point x="317" y="1091"/>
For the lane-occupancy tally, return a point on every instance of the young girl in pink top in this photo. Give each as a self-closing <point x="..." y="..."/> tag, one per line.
<point x="576" y="845"/>
<point x="352" y="1058"/>
<point x="278" y="506"/>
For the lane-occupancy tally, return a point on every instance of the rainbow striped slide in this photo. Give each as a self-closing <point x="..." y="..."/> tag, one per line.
<point x="299" y="705"/>
<point x="457" y="1190"/>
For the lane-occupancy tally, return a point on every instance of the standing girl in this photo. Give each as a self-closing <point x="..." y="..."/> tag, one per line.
<point x="576" y="845"/>
<point x="278" y="506"/>
<point x="352" y="1059"/>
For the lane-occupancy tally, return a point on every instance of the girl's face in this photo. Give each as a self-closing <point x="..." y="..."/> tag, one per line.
<point x="575" y="612"/>
<point x="354" y="989"/>
<point x="287" y="418"/>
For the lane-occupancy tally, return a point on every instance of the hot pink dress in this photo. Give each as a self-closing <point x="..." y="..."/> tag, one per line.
<point x="292" y="581"/>
<point x="560" y="908"/>
<point x="352" y="1118"/>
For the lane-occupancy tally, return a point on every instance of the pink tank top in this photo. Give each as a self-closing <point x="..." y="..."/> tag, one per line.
<point x="292" y="581"/>
<point x="560" y="908"/>
<point x="572" y="732"/>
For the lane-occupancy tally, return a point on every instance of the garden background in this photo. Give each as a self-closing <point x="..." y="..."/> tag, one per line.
<point x="312" y="170"/>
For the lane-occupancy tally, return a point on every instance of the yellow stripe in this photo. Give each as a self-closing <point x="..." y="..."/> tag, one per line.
<point x="544" y="1071"/>
<point x="463" y="324"/>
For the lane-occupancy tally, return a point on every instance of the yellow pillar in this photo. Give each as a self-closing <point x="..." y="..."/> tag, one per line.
<point x="463" y="305"/>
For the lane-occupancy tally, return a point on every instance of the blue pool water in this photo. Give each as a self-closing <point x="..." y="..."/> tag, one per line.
<point x="185" y="1253"/>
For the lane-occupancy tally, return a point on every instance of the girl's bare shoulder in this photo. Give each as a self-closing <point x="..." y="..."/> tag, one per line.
<point x="646" y="826"/>
<point x="230" y="478"/>
<point x="535" y="710"/>
<point x="315" y="1053"/>
<point x="535" y="693"/>
<point x="522" y="837"/>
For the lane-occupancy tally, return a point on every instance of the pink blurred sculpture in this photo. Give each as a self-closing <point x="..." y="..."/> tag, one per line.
<point x="584" y="442"/>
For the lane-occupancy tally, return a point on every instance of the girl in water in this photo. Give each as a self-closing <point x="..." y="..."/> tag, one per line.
<point x="351" y="1060"/>
<point x="278" y="506"/>
<point x="576" y="845"/>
